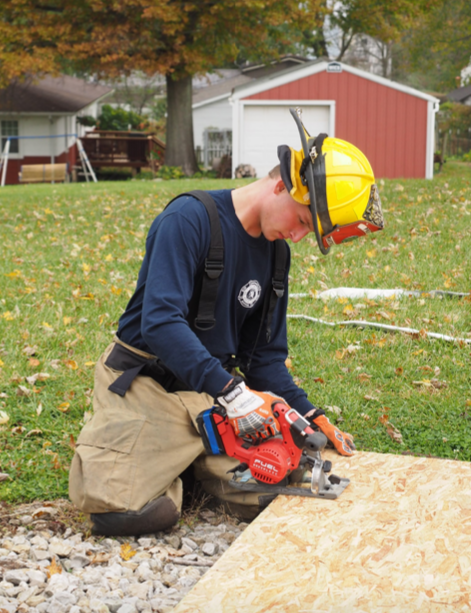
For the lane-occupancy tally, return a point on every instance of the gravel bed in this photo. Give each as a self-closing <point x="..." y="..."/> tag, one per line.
<point x="44" y="569"/>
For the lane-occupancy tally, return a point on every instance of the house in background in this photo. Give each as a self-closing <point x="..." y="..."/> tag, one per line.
<point x="461" y="95"/>
<point x="212" y="112"/>
<point x="46" y="108"/>
<point x="393" y="124"/>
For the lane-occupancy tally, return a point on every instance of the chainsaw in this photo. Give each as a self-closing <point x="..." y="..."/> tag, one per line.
<point x="275" y="462"/>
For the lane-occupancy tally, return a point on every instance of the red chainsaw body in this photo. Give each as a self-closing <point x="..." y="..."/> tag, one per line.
<point x="273" y="459"/>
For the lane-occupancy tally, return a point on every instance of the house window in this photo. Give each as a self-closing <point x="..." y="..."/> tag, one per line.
<point x="10" y="128"/>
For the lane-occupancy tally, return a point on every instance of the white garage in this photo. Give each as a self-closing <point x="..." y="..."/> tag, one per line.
<point x="263" y="125"/>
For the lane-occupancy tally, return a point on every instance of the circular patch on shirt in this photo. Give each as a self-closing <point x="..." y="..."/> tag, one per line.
<point x="249" y="294"/>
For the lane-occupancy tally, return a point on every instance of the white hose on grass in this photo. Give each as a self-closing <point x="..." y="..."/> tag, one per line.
<point x="389" y="328"/>
<point x="374" y="294"/>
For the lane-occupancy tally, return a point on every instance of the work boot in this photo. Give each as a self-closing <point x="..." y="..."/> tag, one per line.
<point x="156" y="515"/>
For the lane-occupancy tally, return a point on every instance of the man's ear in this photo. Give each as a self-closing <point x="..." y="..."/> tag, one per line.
<point x="279" y="187"/>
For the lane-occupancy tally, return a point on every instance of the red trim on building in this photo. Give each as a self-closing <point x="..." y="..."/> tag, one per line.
<point x="388" y="125"/>
<point x="15" y="164"/>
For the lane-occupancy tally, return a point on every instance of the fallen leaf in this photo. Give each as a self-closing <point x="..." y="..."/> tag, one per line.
<point x="365" y="416"/>
<point x="426" y="368"/>
<point x="87" y="416"/>
<point x="334" y="409"/>
<point x="64" y="407"/>
<point x="4" y="417"/>
<point x="53" y="568"/>
<point x="318" y="380"/>
<point x="468" y="403"/>
<point x="2" y="363"/>
<point x="370" y="398"/>
<point x="438" y="384"/>
<point x="90" y="363"/>
<point x="4" y="477"/>
<point x="66" y="320"/>
<point x="30" y="350"/>
<point x="34" y="432"/>
<point x="127" y="552"/>
<point x="72" y="364"/>
<point x="21" y="390"/>
<point x="364" y="377"/>
<point x="399" y="370"/>
<point x="39" y="409"/>
<point x="394" y="433"/>
<point x="18" y="430"/>
<point x="288" y="363"/>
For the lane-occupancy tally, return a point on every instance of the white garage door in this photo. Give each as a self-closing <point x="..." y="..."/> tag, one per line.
<point x="264" y="127"/>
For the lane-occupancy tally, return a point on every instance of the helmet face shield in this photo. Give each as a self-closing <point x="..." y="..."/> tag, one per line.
<point x="336" y="181"/>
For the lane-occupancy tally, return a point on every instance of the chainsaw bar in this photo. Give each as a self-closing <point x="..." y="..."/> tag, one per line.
<point x="330" y="489"/>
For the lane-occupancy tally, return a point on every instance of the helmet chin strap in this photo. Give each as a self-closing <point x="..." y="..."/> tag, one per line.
<point x="309" y="176"/>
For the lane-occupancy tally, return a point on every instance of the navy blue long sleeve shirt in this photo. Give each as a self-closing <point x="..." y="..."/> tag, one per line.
<point x="155" y="319"/>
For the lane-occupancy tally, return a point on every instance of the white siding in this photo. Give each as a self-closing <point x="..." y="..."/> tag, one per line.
<point x="215" y="115"/>
<point x="40" y="125"/>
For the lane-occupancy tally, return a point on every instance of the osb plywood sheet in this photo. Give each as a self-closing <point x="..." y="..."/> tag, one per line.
<point x="397" y="540"/>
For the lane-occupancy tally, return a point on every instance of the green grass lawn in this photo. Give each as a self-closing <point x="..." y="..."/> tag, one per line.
<point x="70" y="257"/>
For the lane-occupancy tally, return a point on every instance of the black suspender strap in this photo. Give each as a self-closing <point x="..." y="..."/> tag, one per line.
<point x="278" y="287"/>
<point x="278" y="281"/>
<point x="213" y="264"/>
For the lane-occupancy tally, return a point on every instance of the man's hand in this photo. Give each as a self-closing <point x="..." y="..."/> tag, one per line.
<point x="249" y="412"/>
<point x="342" y="441"/>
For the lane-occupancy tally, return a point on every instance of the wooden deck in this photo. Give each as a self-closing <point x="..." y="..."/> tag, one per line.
<point x="397" y="540"/>
<point x="115" y="149"/>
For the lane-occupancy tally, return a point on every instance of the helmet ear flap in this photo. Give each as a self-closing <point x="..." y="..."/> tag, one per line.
<point x="284" y="155"/>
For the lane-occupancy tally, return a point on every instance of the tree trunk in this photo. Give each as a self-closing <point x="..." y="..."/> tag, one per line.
<point x="179" y="148"/>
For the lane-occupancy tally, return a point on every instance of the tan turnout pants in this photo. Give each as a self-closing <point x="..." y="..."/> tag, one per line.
<point x="135" y="447"/>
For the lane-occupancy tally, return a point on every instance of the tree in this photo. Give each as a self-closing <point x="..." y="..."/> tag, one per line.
<point x="438" y="46"/>
<point x="383" y="20"/>
<point x="176" y="38"/>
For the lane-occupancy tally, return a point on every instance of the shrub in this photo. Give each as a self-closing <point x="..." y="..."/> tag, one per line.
<point x="170" y="172"/>
<point x="119" y="119"/>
